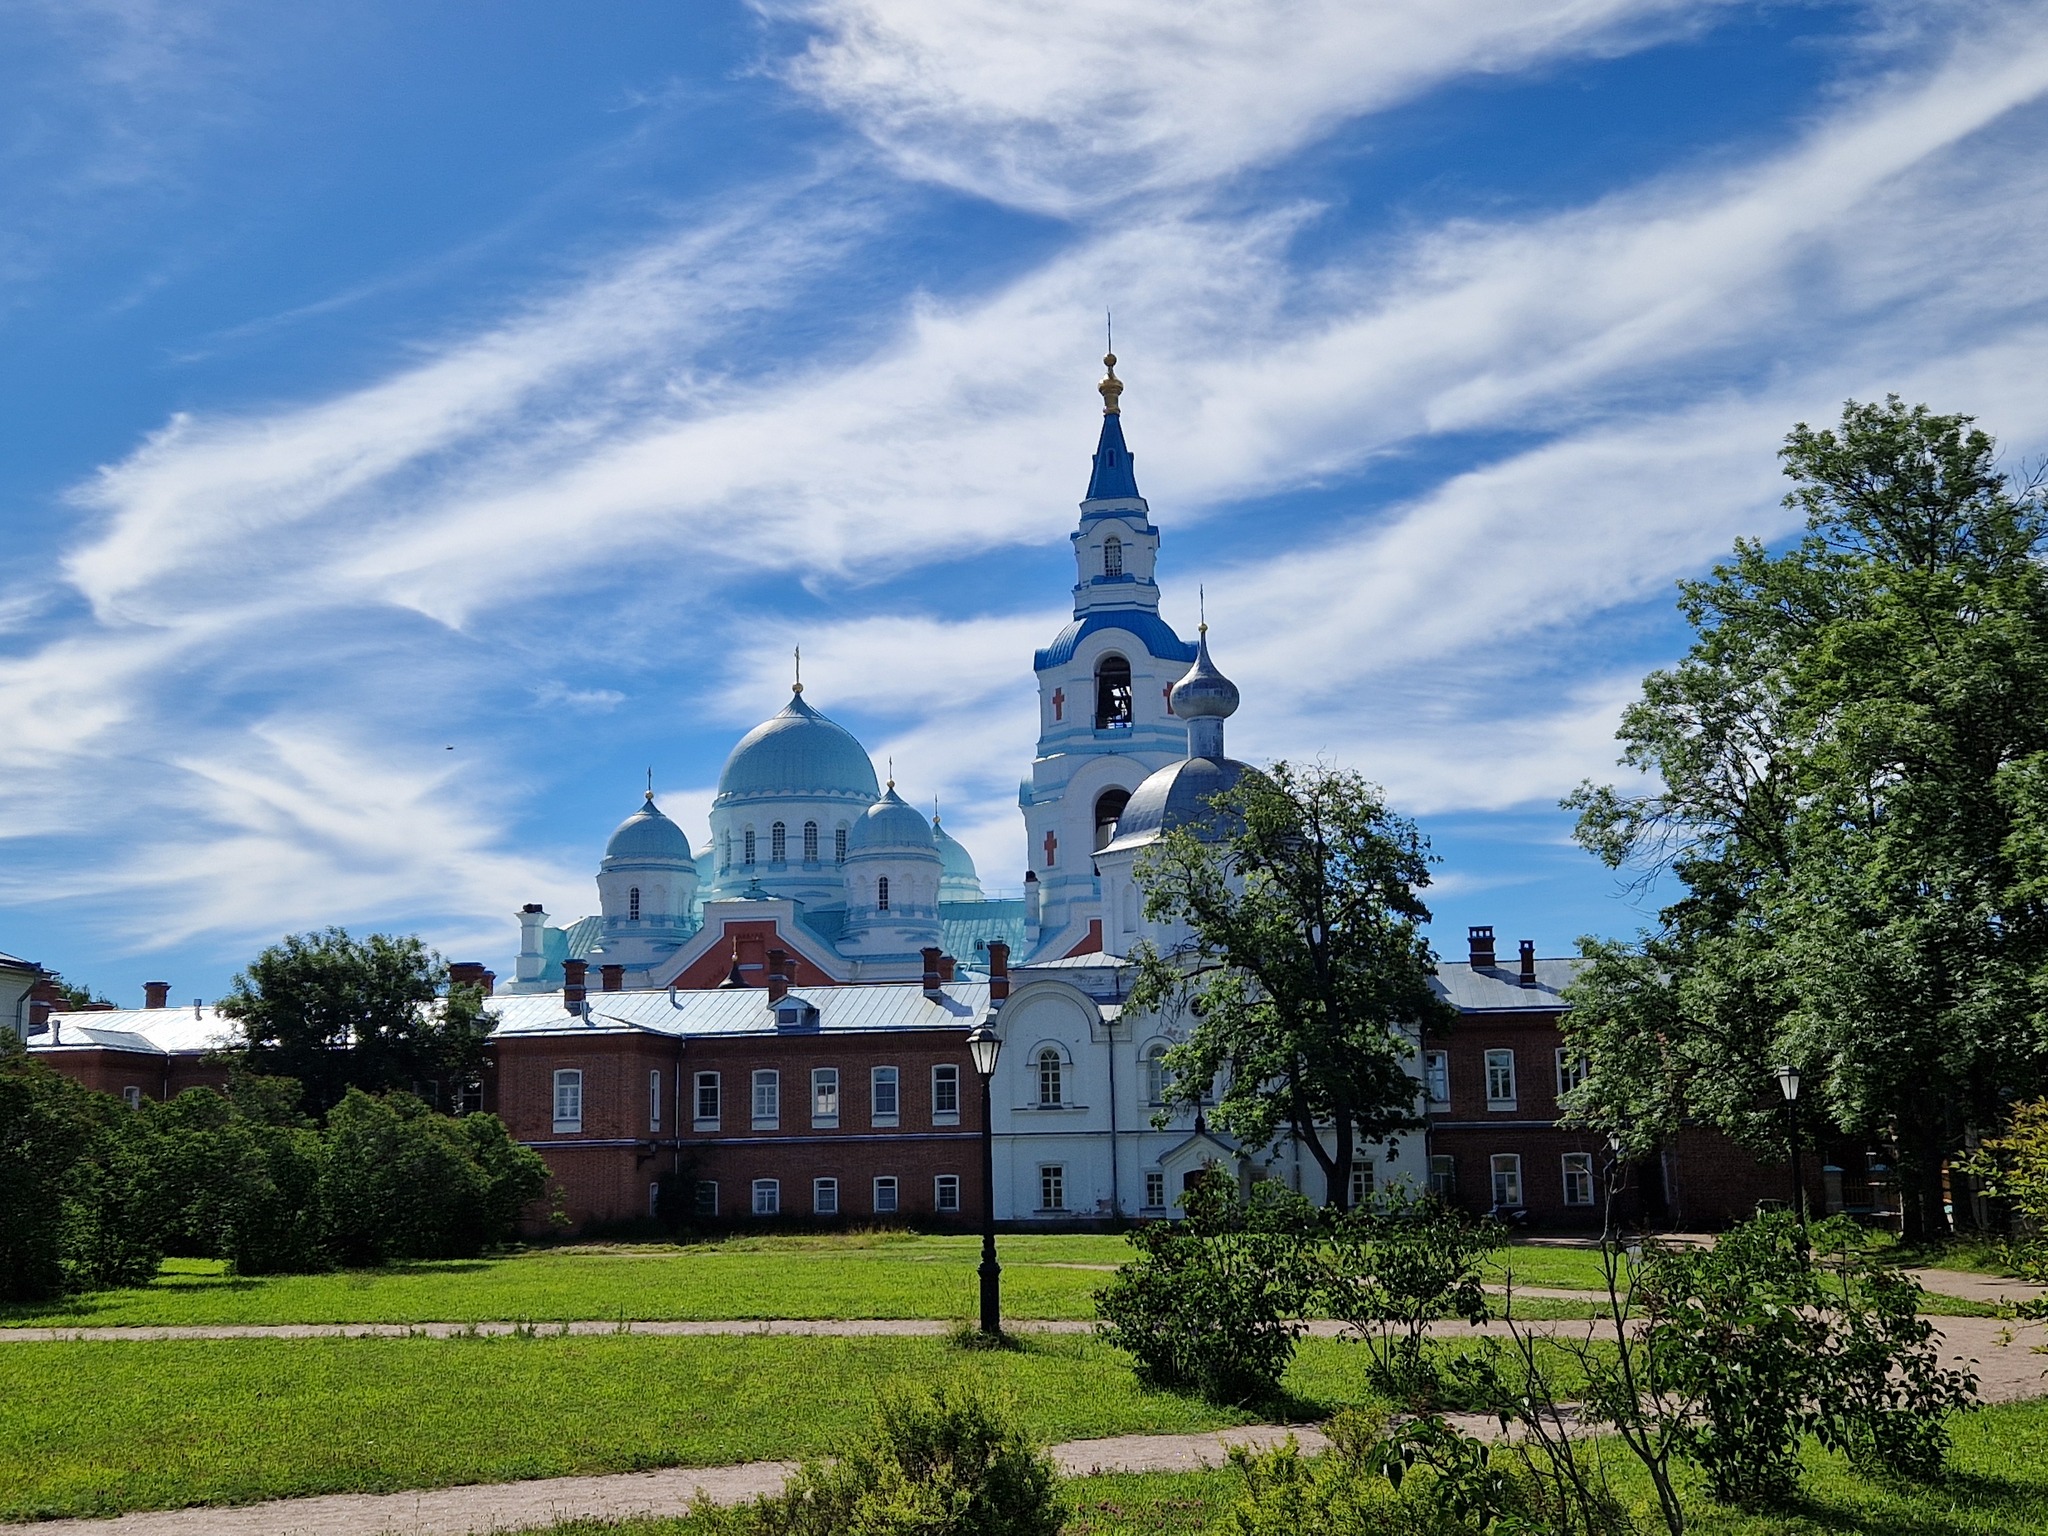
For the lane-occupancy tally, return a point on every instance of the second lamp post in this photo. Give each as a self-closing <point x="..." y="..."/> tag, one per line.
<point x="986" y="1045"/>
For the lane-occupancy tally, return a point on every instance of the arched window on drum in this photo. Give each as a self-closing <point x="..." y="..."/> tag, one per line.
<point x="1112" y="694"/>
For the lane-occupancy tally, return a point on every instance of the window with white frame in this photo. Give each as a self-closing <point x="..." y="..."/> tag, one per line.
<point x="946" y="1194"/>
<point x="882" y="894"/>
<point x="1507" y="1179"/>
<point x="1500" y="1079"/>
<point x="633" y="904"/>
<point x="767" y="1197"/>
<point x="1155" y="1189"/>
<point x="1052" y="1186"/>
<point x="1361" y="1184"/>
<point x="654" y="1100"/>
<point x="1578" y="1178"/>
<point x="1571" y="1070"/>
<point x="707" y="1197"/>
<point x="824" y="1197"/>
<point x="1443" y="1175"/>
<point x="1051" y="1079"/>
<point x="1155" y="1074"/>
<point x="132" y="1096"/>
<point x="824" y="1097"/>
<point x="724" y="852"/>
<point x="778" y="844"/>
<point x="767" y="1099"/>
<point x="839" y="845"/>
<point x="747" y="846"/>
<point x="1112" y="556"/>
<point x="810" y="842"/>
<point x="707" y="1102"/>
<point x="1436" y="1077"/>
<point x="885" y="1195"/>
<point x="946" y="1094"/>
<point x="568" y="1100"/>
<point x="882" y="1086"/>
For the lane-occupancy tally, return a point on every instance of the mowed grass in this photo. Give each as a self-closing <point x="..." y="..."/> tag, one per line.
<point x="100" y="1428"/>
<point x="841" y="1275"/>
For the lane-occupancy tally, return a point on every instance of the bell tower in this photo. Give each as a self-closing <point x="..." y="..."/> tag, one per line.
<point x="1105" y="716"/>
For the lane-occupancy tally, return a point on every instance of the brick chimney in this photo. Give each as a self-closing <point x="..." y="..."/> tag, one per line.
<point x="42" y="1002"/>
<point x="1528" y="976"/>
<point x="932" y="956"/>
<point x="575" y="978"/>
<point x="612" y="977"/>
<point x="778" y="976"/>
<point x="947" y="966"/>
<point x="466" y="973"/>
<point x="156" y="994"/>
<point x="1481" y="940"/>
<point x="998" y="970"/>
<point x="490" y="982"/>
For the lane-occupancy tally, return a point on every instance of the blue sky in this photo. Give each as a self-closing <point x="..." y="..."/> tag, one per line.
<point x="419" y="420"/>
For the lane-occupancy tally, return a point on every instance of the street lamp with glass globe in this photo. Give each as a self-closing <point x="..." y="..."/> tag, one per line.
<point x="985" y="1045"/>
<point x="1788" y="1084"/>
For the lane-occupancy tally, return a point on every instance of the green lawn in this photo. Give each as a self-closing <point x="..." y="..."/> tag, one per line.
<point x="839" y="1276"/>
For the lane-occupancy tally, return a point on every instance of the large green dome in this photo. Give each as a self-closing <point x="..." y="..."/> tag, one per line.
<point x="798" y="752"/>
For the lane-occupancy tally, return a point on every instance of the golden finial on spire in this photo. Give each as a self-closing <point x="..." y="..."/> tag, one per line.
<point x="1202" y="608"/>
<point x="798" y="685"/>
<point x="1111" y="386"/>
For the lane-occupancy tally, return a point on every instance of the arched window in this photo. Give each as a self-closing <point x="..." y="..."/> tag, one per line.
<point x="810" y="842"/>
<point x="633" y="904"/>
<point x="747" y="848"/>
<point x="1112" y="556"/>
<point x="1112" y="693"/>
<point x="1109" y="805"/>
<point x="882" y="894"/>
<point x="1155" y="1075"/>
<point x="839" y="845"/>
<point x="778" y="844"/>
<point x="1049" y="1073"/>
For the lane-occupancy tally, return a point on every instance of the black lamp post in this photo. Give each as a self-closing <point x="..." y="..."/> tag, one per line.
<point x="1788" y="1084"/>
<point x="985" y="1045"/>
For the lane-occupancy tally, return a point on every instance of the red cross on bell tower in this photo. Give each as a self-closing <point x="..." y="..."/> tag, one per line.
<point x="1052" y="845"/>
<point x="1059" y="703"/>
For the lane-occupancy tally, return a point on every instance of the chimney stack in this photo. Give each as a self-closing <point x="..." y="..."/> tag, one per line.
<point x="42" y="1002"/>
<point x="778" y="980"/>
<point x="1528" y="976"/>
<point x="998" y="970"/>
<point x="612" y="977"/>
<point x="575" y="984"/>
<point x="466" y="973"/>
<point x="490" y="982"/>
<point x="156" y="994"/>
<point x="931" y="954"/>
<point x="1481" y="940"/>
<point x="947" y="966"/>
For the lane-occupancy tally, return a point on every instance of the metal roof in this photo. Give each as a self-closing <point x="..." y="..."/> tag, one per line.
<point x="1094" y="960"/>
<point x="744" y="1011"/>
<point x="160" y="1031"/>
<point x="1498" y="988"/>
<point x="16" y="963"/>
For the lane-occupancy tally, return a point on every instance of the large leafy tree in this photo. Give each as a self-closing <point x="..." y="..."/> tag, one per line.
<point x="1852" y="773"/>
<point x="1304" y="970"/>
<point x="336" y="1012"/>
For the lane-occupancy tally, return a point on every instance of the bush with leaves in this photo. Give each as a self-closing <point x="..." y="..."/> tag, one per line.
<point x="243" y="1171"/>
<point x="2015" y="1167"/>
<point x="1390" y="1268"/>
<point x="946" y="1464"/>
<point x="1212" y="1304"/>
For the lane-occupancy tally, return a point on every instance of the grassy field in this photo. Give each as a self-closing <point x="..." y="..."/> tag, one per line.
<point x="887" y="1274"/>
<point x="98" y="1428"/>
<point x="1998" y="1486"/>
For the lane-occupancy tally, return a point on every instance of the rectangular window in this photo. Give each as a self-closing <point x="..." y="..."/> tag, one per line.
<point x="767" y="1197"/>
<point x="1578" y="1178"/>
<point x="945" y="1095"/>
<point x="1052" y="1187"/>
<point x="1361" y="1184"/>
<point x="1155" y="1190"/>
<point x="707" y="1101"/>
<point x="885" y="1195"/>
<point x="946" y="1194"/>
<point x="824" y="1097"/>
<point x="1443" y="1175"/>
<point x="1500" y="1079"/>
<point x="882" y="1081"/>
<point x="568" y="1100"/>
<point x="1507" y="1179"/>
<point x="1571" y="1070"/>
<point x="1436" y="1077"/>
<point x="132" y="1096"/>
<point x="767" y="1100"/>
<point x="707" y="1197"/>
<point x="654" y="1100"/>
<point x="825" y="1197"/>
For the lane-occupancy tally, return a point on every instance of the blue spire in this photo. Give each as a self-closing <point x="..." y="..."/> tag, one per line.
<point x="1113" y="477"/>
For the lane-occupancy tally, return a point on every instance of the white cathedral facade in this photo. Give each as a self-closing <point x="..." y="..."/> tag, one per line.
<point x="811" y="859"/>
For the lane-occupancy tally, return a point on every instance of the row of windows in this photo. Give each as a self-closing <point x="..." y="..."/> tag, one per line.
<point x="884" y="1098"/>
<point x="1505" y="1169"/>
<point x="827" y="1197"/>
<point x="778" y="845"/>
<point x="1570" y="1068"/>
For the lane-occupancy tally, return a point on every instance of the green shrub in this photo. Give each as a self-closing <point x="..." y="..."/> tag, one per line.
<point x="1211" y="1304"/>
<point x="940" y="1465"/>
<point x="115" y="1213"/>
<point x="243" y="1170"/>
